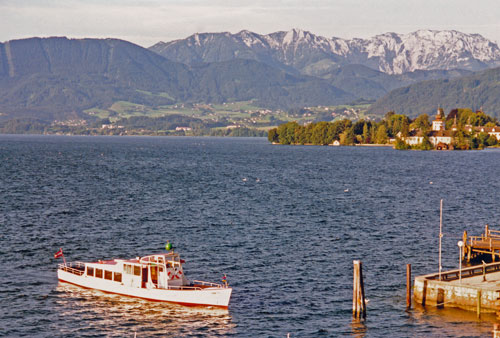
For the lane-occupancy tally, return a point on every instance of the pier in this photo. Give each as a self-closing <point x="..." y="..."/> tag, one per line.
<point x="486" y="244"/>
<point x="475" y="288"/>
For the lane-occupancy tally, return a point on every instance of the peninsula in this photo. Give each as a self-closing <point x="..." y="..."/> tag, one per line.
<point x="461" y="129"/>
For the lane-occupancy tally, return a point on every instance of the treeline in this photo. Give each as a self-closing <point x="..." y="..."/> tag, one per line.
<point x="237" y="132"/>
<point x="345" y="131"/>
<point x="23" y="126"/>
<point x="392" y="126"/>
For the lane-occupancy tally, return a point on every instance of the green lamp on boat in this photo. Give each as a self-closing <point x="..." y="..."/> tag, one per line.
<point x="168" y="246"/>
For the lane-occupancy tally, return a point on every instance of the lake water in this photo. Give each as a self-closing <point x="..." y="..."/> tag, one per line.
<point x="283" y="222"/>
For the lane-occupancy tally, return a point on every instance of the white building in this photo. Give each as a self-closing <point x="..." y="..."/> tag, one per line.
<point x="438" y="136"/>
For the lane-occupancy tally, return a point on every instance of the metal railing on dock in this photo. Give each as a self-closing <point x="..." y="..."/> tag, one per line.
<point x="472" y="271"/>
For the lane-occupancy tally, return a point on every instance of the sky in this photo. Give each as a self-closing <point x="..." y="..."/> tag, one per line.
<point x="146" y="22"/>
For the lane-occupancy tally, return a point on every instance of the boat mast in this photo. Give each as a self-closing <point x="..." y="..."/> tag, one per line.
<point x="440" y="235"/>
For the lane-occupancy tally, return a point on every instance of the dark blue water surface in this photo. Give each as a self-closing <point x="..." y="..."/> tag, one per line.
<point x="283" y="222"/>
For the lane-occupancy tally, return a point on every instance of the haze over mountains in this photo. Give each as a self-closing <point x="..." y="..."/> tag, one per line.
<point x="59" y="78"/>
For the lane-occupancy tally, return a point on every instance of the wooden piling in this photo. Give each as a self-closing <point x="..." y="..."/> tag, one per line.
<point x="408" y="286"/>
<point x="358" y="292"/>
<point x="355" y="289"/>
<point x="478" y="303"/>
<point x="464" y="239"/>
<point x="362" y="291"/>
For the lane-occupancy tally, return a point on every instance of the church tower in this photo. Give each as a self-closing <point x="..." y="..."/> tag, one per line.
<point x="438" y="123"/>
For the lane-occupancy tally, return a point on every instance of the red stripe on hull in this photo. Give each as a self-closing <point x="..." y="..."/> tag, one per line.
<point x="149" y="299"/>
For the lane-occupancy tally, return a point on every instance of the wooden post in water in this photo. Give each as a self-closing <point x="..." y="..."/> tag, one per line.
<point x="408" y="286"/>
<point x="355" y="289"/>
<point x="478" y="303"/>
<point x="362" y="291"/>
<point x="358" y="292"/>
<point x="464" y="239"/>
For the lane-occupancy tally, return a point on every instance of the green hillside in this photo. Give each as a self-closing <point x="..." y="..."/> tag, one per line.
<point x="479" y="91"/>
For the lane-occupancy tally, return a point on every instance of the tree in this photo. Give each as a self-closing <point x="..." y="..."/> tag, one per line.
<point x="320" y="133"/>
<point x="388" y="115"/>
<point x="481" y="141"/>
<point x="405" y="128"/>
<point x="358" y="127"/>
<point x="286" y="132"/>
<point x="366" y="133"/>
<point x="461" y="139"/>
<point x="395" y="124"/>
<point x="272" y="135"/>
<point x="382" y="136"/>
<point x="492" y="141"/>
<point x="401" y="145"/>
<point x="348" y="138"/>
<point x="422" y="123"/>
<point x="338" y="128"/>
<point x="373" y="133"/>
<point x="300" y="135"/>
<point x="426" y="143"/>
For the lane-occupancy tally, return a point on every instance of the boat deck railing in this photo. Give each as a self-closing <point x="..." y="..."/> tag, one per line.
<point x="198" y="285"/>
<point x="76" y="268"/>
<point x="209" y="284"/>
<point x="184" y="287"/>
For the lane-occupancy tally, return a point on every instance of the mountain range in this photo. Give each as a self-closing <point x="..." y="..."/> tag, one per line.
<point x="310" y="54"/>
<point x="59" y="78"/>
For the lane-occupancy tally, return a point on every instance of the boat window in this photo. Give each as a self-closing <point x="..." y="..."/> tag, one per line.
<point x="127" y="268"/>
<point x="98" y="273"/>
<point x="161" y="268"/>
<point x="117" y="277"/>
<point x="137" y="270"/>
<point x="90" y="271"/>
<point x="108" y="274"/>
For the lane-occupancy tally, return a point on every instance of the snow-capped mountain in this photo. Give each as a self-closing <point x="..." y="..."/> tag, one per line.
<point x="311" y="54"/>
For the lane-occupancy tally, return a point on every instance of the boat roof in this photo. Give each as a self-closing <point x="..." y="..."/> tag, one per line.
<point x="168" y="256"/>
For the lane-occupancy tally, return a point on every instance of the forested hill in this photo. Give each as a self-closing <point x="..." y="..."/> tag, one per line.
<point x="480" y="91"/>
<point x="58" y="78"/>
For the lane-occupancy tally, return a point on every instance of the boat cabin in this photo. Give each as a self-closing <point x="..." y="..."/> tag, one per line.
<point x="162" y="271"/>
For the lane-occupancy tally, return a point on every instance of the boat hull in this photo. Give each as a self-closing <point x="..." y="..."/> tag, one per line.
<point x="210" y="296"/>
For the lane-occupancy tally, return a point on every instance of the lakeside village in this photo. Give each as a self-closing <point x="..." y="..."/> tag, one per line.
<point x="461" y="129"/>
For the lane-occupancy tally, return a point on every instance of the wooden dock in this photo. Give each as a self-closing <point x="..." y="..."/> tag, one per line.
<point x="487" y="244"/>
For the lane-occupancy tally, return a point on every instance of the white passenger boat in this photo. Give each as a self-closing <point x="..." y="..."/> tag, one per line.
<point x="158" y="277"/>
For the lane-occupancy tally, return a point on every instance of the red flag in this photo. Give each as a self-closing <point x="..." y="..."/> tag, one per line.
<point x="58" y="254"/>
